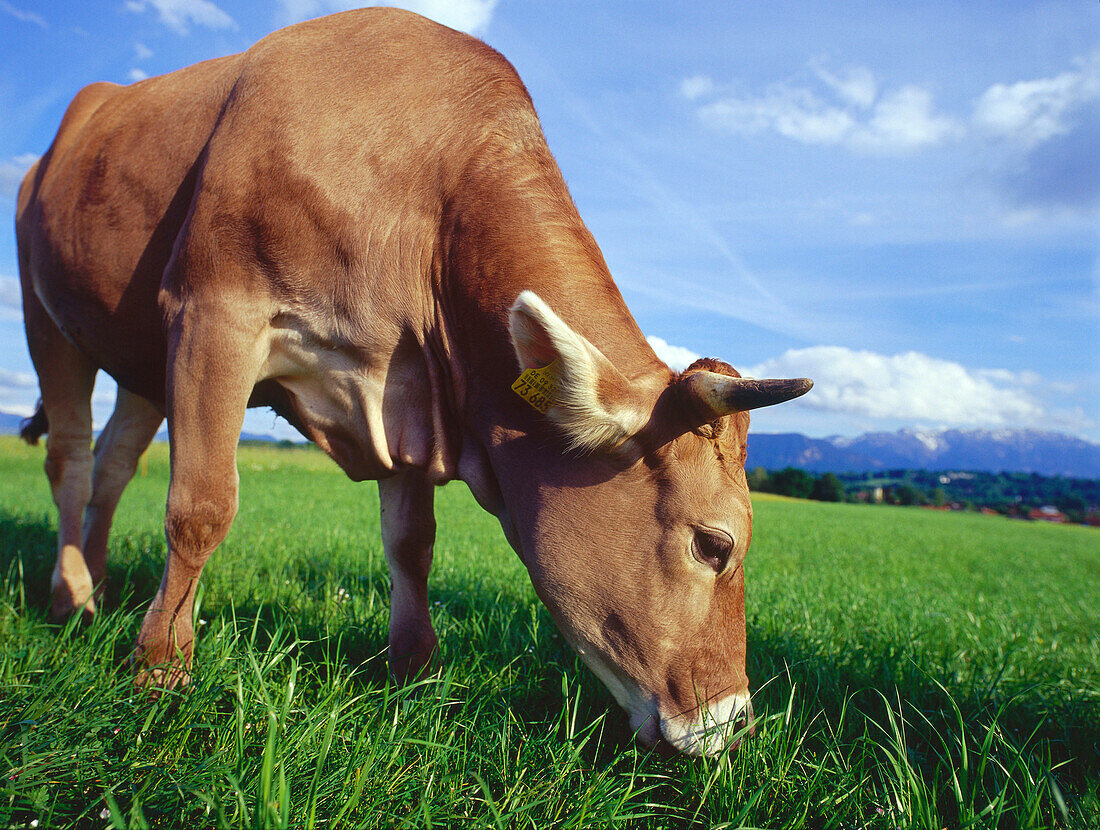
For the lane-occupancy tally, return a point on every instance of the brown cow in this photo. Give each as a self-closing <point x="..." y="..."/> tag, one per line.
<point x="376" y="243"/>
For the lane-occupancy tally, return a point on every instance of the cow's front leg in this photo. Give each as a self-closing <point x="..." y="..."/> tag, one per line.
<point x="213" y="360"/>
<point x="408" y="533"/>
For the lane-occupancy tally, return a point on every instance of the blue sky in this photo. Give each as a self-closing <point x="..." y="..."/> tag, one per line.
<point x="901" y="201"/>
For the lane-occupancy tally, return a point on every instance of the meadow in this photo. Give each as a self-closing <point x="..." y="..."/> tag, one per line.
<point x="911" y="669"/>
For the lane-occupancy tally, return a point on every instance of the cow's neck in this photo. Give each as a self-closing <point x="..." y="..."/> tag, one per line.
<point x="513" y="227"/>
<point x="517" y="230"/>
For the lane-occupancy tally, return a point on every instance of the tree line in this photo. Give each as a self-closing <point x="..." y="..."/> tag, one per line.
<point x="1012" y="494"/>
<point x="798" y="484"/>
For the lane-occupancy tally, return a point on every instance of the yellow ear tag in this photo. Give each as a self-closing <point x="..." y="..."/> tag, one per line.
<point x="539" y="387"/>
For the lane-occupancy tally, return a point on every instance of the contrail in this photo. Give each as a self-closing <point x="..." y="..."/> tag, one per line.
<point x="645" y="182"/>
<point x="649" y="187"/>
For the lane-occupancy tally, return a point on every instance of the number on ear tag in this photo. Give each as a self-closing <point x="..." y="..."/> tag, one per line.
<point x="539" y="387"/>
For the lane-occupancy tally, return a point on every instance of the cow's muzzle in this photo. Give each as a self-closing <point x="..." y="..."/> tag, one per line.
<point x="711" y="728"/>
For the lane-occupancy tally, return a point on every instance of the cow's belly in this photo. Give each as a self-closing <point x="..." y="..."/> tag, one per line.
<point x="337" y="400"/>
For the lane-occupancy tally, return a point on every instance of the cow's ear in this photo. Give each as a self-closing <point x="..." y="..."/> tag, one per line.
<point x="590" y="400"/>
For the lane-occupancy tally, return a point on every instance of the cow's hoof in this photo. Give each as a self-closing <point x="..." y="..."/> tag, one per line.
<point x="413" y="667"/>
<point x="65" y="605"/>
<point x="159" y="678"/>
<point x="413" y="658"/>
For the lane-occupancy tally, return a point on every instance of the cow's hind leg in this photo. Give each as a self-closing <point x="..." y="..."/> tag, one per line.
<point x="408" y="533"/>
<point x="127" y="435"/>
<point x="66" y="377"/>
<point x="214" y="355"/>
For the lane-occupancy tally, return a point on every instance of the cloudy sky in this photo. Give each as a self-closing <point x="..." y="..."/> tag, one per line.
<point x="901" y="201"/>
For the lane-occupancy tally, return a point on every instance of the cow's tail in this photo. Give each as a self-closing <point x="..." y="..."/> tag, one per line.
<point x="34" y="427"/>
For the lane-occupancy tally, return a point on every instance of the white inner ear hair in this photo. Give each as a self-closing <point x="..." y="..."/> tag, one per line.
<point x="589" y="422"/>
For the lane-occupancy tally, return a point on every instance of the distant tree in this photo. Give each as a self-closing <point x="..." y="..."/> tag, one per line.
<point x="1071" y="504"/>
<point x="792" y="482"/>
<point x="906" y="495"/>
<point x="758" y="480"/>
<point x="1004" y="492"/>
<point x="827" y="488"/>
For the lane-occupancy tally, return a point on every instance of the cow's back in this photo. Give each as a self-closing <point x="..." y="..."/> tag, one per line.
<point x="326" y="144"/>
<point x="99" y="214"/>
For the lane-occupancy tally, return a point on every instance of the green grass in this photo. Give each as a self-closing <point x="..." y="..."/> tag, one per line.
<point x="911" y="669"/>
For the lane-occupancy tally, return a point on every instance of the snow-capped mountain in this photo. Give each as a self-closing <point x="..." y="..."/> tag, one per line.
<point x="995" y="451"/>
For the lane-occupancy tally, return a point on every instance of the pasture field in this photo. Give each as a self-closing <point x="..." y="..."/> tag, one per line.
<point x="910" y="669"/>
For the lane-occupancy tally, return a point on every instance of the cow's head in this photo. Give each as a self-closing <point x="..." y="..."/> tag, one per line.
<point x="636" y="535"/>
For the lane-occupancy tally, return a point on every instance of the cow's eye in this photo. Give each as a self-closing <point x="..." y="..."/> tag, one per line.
<point x="712" y="548"/>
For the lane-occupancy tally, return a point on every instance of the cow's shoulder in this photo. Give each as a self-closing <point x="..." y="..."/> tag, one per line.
<point x="85" y="103"/>
<point x="383" y="57"/>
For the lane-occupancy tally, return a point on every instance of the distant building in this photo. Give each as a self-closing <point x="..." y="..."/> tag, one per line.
<point x="1046" y="513"/>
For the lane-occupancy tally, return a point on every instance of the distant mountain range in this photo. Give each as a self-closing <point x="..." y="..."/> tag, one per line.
<point x="994" y="451"/>
<point x="1026" y="451"/>
<point x="9" y="423"/>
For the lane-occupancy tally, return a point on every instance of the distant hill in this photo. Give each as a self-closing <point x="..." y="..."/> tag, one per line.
<point x="9" y="423"/>
<point x="1027" y="451"/>
<point x="1018" y="451"/>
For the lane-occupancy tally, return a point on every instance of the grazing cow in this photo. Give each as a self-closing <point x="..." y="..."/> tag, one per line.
<point x="358" y="223"/>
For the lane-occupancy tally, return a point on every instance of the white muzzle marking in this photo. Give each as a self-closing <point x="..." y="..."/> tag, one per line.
<point x="711" y="729"/>
<point x="706" y="733"/>
<point x="641" y="707"/>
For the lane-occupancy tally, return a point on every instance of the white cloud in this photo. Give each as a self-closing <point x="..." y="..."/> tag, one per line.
<point x="23" y="15"/>
<point x="795" y="113"/>
<point x="909" y="387"/>
<point x="903" y="120"/>
<point x="855" y="84"/>
<point x="852" y="115"/>
<point x="136" y="74"/>
<point x="696" y="86"/>
<point x="1031" y="112"/>
<point x="178" y="14"/>
<point x="677" y="357"/>
<point x="1040" y="138"/>
<point x="471" y="16"/>
<point x="142" y="52"/>
<point x="10" y="294"/>
<point x="294" y="11"/>
<point x="12" y="172"/>
<point x="466" y="15"/>
<point x="15" y="406"/>
<point x="848" y="108"/>
<point x="17" y="380"/>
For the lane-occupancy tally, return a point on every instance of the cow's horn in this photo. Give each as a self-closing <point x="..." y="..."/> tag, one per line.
<point x="723" y="394"/>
